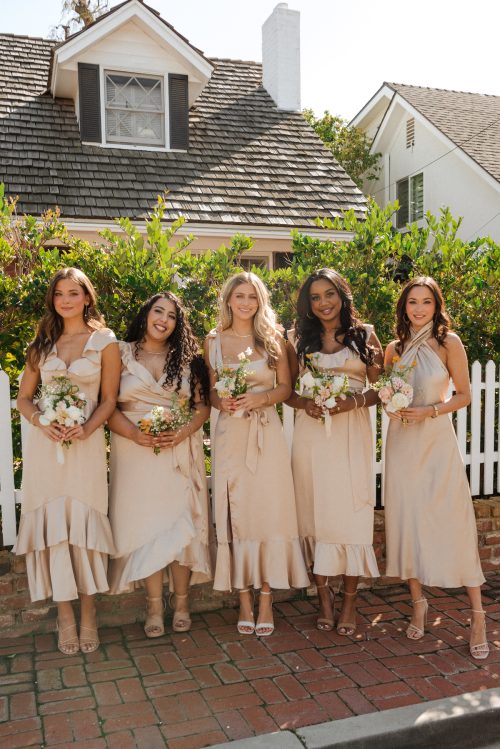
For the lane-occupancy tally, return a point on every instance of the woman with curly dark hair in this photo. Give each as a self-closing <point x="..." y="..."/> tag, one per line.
<point x="430" y="523"/>
<point x="158" y="492"/>
<point x="332" y="444"/>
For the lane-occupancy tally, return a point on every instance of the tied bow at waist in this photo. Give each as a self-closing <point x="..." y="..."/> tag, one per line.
<point x="258" y="420"/>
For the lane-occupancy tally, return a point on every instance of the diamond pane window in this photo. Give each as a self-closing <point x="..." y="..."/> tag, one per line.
<point x="134" y="109"/>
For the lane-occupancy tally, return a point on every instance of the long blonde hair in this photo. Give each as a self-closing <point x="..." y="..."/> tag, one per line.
<point x="264" y="321"/>
<point x="51" y="325"/>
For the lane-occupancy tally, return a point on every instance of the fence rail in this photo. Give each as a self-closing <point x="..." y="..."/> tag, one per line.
<point x="477" y="429"/>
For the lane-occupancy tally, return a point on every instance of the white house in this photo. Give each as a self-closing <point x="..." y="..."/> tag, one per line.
<point x="128" y="108"/>
<point x="439" y="148"/>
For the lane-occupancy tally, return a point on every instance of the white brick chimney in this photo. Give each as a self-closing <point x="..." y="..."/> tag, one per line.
<point x="281" y="57"/>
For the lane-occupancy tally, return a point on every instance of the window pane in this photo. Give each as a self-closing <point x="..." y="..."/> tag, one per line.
<point x="417" y="197"/>
<point x="134" y="109"/>
<point x="403" y="198"/>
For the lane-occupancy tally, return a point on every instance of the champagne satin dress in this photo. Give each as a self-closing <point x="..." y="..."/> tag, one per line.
<point x="430" y="522"/>
<point x="64" y="529"/>
<point x="256" y="519"/>
<point x="334" y="480"/>
<point x="158" y="504"/>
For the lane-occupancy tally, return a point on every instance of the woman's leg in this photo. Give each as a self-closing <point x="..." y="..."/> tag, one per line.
<point x="347" y="618"/>
<point x="325" y="619"/>
<point x="89" y="638"/>
<point x="154" y="626"/>
<point x="478" y="642"/>
<point x="416" y="627"/>
<point x="181" y="574"/>
<point x="265" y="620"/>
<point x="68" y="642"/>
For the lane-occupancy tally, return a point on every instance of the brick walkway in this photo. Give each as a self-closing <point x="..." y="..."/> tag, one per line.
<point x="211" y="686"/>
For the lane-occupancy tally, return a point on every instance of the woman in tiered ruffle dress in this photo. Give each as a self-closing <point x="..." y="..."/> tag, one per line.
<point x="64" y="529"/>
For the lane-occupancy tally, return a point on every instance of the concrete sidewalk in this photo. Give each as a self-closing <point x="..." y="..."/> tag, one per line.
<point x="213" y="685"/>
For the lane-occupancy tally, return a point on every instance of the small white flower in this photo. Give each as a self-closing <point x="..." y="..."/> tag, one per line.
<point x="75" y="414"/>
<point x="248" y="352"/>
<point x="399" y="400"/>
<point x="308" y="380"/>
<point x="330" y="403"/>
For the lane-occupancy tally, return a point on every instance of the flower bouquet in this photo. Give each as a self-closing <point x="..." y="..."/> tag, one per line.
<point x="161" y="419"/>
<point x="62" y="403"/>
<point x="232" y="382"/>
<point x="325" y="388"/>
<point x="394" y="389"/>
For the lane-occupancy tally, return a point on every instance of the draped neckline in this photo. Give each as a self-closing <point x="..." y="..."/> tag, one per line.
<point x="420" y="338"/>
<point x="78" y="358"/>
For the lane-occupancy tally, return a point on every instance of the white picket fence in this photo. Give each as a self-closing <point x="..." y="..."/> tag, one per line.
<point x="477" y="430"/>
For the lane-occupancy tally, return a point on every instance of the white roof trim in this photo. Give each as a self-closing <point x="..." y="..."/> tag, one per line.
<point x="105" y="26"/>
<point x="215" y="230"/>
<point x="398" y="99"/>
<point x="383" y="92"/>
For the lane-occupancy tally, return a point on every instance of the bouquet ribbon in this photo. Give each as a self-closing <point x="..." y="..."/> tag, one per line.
<point x="60" y="453"/>
<point x="258" y="420"/>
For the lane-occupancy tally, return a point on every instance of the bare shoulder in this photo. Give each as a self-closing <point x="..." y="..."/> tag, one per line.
<point x="391" y="348"/>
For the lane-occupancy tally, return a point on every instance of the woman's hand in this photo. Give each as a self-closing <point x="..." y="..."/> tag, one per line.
<point x="54" y="432"/>
<point x="312" y="410"/>
<point x="76" y="432"/>
<point x="143" y="439"/>
<point x="394" y="415"/>
<point x="228" y="405"/>
<point x="249" y="401"/>
<point x="167" y="440"/>
<point x="343" y="405"/>
<point x="416" y="414"/>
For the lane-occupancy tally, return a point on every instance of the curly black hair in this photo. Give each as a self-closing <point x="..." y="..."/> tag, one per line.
<point x="308" y="328"/>
<point x="183" y="350"/>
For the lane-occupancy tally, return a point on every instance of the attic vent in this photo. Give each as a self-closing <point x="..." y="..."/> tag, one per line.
<point x="410" y="132"/>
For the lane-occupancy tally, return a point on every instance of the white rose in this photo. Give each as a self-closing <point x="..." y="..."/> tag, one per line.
<point x="248" y="352"/>
<point x="330" y="403"/>
<point x="399" y="400"/>
<point x="308" y="380"/>
<point x="74" y="414"/>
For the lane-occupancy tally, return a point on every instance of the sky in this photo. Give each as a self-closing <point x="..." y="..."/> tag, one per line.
<point x="348" y="47"/>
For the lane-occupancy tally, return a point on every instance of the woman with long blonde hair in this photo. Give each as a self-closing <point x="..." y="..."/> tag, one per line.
<point x="257" y="537"/>
<point x="64" y="529"/>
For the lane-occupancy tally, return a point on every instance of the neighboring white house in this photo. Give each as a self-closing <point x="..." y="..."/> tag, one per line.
<point x="439" y="148"/>
<point x="127" y="108"/>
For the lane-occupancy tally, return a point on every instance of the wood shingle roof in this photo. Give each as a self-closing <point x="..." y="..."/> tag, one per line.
<point x="247" y="163"/>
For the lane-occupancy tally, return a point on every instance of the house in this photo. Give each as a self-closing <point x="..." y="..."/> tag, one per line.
<point x="128" y="108"/>
<point x="439" y="148"/>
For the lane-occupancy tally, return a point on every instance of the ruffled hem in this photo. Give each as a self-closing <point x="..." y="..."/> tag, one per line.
<point x="353" y="560"/>
<point x="179" y="543"/>
<point x="67" y="545"/>
<point x="244" y="564"/>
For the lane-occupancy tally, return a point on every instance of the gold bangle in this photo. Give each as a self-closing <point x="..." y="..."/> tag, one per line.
<point x="364" y="400"/>
<point x="355" y="401"/>
<point x="436" y="412"/>
<point x="35" y="413"/>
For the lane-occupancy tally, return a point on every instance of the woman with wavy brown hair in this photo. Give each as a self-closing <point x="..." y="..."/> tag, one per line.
<point x="333" y="468"/>
<point x="64" y="529"/>
<point x="430" y="522"/>
<point x="257" y="539"/>
<point x="158" y="491"/>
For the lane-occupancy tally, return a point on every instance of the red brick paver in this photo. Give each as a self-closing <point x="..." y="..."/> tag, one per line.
<point x="213" y="685"/>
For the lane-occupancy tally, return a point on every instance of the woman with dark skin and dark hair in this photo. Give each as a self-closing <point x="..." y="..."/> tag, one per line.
<point x="64" y="529"/>
<point x="430" y="522"/>
<point x="333" y="474"/>
<point x="158" y="502"/>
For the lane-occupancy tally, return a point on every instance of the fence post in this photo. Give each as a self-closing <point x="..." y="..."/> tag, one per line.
<point x="7" y="493"/>
<point x="489" y="427"/>
<point x="475" y="428"/>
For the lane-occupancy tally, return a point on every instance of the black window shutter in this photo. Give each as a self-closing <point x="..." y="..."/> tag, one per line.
<point x="90" y="102"/>
<point x="179" y="111"/>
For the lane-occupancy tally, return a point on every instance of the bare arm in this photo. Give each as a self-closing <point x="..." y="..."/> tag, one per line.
<point x="278" y="394"/>
<point x="27" y="389"/>
<point x="222" y="404"/>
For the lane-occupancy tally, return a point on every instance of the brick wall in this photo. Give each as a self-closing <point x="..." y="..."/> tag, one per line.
<point x="19" y="616"/>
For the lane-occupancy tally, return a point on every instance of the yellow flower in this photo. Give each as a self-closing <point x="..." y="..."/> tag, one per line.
<point x="395" y="359"/>
<point x="414" y="363"/>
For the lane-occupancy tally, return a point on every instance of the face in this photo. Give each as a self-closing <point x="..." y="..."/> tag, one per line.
<point x="69" y="299"/>
<point x="420" y="306"/>
<point x="325" y="301"/>
<point x="243" y="302"/>
<point x="161" y="321"/>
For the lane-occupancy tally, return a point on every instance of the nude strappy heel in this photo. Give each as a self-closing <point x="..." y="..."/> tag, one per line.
<point x="89" y="643"/>
<point x="69" y="645"/>
<point x="348" y="627"/>
<point x="413" y="632"/>
<point x="264" y="629"/>
<point x="154" y="626"/>
<point x="181" y="621"/>
<point x="482" y="649"/>
<point x="323" y="623"/>
<point x="246" y="626"/>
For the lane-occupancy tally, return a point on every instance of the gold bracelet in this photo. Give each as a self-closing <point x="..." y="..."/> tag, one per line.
<point x="364" y="400"/>
<point x="436" y="412"/>
<point x="35" y="413"/>
<point x="355" y="401"/>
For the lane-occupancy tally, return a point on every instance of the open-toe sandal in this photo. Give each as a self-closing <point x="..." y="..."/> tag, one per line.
<point x="246" y="626"/>
<point x="264" y="629"/>
<point x="413" y="632"/>
<point x="349" y="628"/>
<point x="322" y="622"/>
<point x="67" y="639"/>
<point x="154" y="626"/>
<point x="181" y="621"/>
<point x="482" y="650"/>
<point x="89" y="639"/>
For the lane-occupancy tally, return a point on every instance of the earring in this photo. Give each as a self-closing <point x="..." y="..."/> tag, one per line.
<point x="86" y="312"/>
<point x="309" y="316"/>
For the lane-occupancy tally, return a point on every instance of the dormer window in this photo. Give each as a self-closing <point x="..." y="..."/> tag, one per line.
<point x="134" y="109"/>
